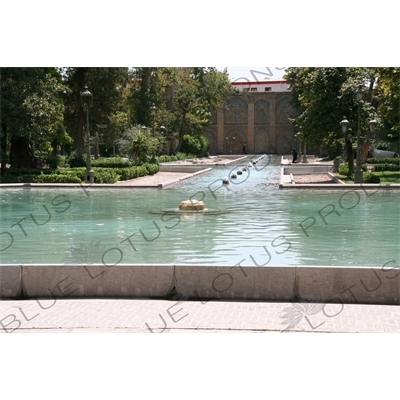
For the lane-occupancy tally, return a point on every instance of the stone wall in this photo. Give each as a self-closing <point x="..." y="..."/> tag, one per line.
<point x="342" y="284"/>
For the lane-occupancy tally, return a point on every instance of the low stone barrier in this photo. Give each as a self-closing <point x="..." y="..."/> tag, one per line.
<point x="305" y="170"/>
<point x="182" y="168"/>
<point x="342" y="284"/>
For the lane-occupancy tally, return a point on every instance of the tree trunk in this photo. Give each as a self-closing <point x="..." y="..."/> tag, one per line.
<point x="364" y="152"/>
<point x="3" y="149"/>
<point x="350" y="157"/>
<point x="81" y="81"/>
<point x="79" y="134"/>
<point x="21" y="154"/>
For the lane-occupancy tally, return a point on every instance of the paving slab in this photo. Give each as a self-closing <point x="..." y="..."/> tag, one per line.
<point x="178" y="315"/>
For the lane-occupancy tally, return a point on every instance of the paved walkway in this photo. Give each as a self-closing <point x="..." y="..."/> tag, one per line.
<point x="177" y="315"/>
<point x="158" y="179"/>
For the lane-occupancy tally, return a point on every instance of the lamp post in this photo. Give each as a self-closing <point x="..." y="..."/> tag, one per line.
<point x="358" y="173"/>
<point x="87" y="101"/>
<point x="163" y="131"/>
<point x="153" y="110"/>
<point x="304" y="160"/>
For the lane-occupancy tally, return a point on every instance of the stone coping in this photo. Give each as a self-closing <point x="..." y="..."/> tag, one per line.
<point x="338" y="186"/>
<point x="334" y="284"/>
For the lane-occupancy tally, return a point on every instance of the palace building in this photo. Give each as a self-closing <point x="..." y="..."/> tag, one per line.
<point x="257" y="116"/>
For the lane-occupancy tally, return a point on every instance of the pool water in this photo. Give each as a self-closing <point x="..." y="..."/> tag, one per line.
<point x="262" y="225"/>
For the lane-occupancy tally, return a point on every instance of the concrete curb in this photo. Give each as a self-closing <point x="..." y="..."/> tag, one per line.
<point x="341" y="284"/>
<point x="329" y="186"/>
<point x="172" y="181"/>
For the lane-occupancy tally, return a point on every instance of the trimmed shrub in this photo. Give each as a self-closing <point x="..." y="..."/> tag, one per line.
<point x="24" y="171"/>
<point x="197" y="145"/>
<point x="151" y="168"/>
<point x="371" y="178"/>
<point x="386" y="167"/>
<point x="112" y="162"/>
<point x="386" y="160"/>
<point x="77" y="175"/>
<point x="41" y="178"/>
<point x="52" y="161"/>
<point x="58" y="178"/>
<point x="75" y="161"/>
<point x="344" y="170"/>
<point x="105" y="175"/>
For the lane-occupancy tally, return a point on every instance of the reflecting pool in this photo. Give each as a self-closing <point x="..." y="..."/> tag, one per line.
<point x="262" y="226"/>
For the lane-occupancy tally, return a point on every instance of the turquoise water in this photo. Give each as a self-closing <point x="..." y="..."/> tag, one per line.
<point x="262" y="226"/>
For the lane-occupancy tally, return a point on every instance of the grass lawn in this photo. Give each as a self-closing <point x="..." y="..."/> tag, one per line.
<point x="386" y="177"/>
<point x="389" y="176"/>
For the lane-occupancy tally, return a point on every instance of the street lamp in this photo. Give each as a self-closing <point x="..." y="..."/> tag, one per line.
<point x="153" y="110"/>
<point x="87" y="101"/>
<point x="358" y="173"/>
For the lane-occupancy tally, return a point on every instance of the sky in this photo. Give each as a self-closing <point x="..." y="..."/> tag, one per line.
<point x="252" y="74"/>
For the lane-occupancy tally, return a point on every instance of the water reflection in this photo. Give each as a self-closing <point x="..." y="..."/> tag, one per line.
<point x="265" y="225"/>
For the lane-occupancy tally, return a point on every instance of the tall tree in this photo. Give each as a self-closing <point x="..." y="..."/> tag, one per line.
<point x="388" y="92"/>
<point x="31" y="113"/>
<point x="107" y="86"/>
<point x="323" y="96"/>
<point x="184" y="98"/>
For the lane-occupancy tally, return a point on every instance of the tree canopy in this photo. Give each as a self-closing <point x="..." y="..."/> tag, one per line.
<point x="42" y="112"/>
<point x="322" y="97"/>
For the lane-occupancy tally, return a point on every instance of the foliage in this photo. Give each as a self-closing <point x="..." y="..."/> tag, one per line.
<point x="198" y="146"/>
<point x="177" y="157"/>
<point x="323" y="96"/>
<point x="184" y="98"/>
<point x="75" y="161"/>
<point x="344" y="170"/>
<point x="52" y="161"/>
<point x="112" y="162"/>
<point x="371" y="178"/>
<point x="77" y="175"/>
<point x="137" y="142"/>
<point x="388" y="176"/>
<point x="31" y="112"/>
<point x="389" y="101"/>
<point x="386" y="167"/>
<point x="105" y="175"/>
<point x="41" y="178"/>
<point x="108" y="86"/>
<point x="385" y="160"/>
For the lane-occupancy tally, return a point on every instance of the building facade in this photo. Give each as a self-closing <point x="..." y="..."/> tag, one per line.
<point x="258" y="119"/>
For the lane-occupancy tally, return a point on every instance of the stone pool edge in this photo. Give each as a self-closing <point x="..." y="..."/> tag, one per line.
<point x="290" y="283"/>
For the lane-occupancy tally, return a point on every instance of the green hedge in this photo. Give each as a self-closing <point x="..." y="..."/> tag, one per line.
<point x="386" y="167"/>
<point x="77" y="175"/>
<point x="386" y="160"/>
<point x="177" y="157"/>
<point x="344" y="170"/>
<point x="112" y="162"/>
<point x="371" y="178"/>
<point x="42" y="178"/>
